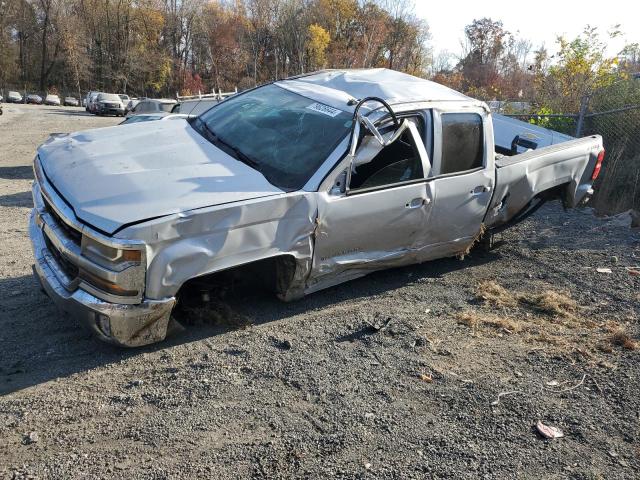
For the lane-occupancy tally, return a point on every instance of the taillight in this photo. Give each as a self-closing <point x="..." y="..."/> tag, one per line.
<point x="598" y="167"/>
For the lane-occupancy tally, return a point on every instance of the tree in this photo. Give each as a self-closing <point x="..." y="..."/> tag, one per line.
<point x="485" y="44"/>
<point x="317" y="45"/>
<point x="161" y="47"/>
<point x="582" y="67"/>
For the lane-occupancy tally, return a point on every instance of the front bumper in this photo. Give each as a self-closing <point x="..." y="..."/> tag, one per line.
<point x="130" y="325"/>
<point x="111" y="111"/>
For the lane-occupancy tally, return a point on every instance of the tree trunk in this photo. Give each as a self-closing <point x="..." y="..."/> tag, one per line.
<point x="43" y="61"/>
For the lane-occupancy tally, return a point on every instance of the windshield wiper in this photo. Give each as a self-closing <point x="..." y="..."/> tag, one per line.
<point x="216" y="140"/>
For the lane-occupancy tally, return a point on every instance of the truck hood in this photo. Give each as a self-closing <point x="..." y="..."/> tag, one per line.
<point x="116" y="176"/>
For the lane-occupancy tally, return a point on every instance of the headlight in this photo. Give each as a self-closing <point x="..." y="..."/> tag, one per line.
<point x="106" y="285"/>
<point x="122" y="269"/>
<point x="110" y="257"/>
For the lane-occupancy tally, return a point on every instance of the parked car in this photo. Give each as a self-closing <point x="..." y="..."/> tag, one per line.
<point x="124" y="99"/>
<point x="153" y="106"/>
<point x="14" y="97"/>
<point x="151" y="117"/>
<point x="109" y="104"/>
<point x="88" y="99"/>
<point x="295" y="182"/>
<point x="52" y="100"/>
<point x="92" y="102"/>
<point x="194" y="107"/>
<point x="71" y="102"/>
<point x="34" y="99"/>
<point x="131" y="105"/>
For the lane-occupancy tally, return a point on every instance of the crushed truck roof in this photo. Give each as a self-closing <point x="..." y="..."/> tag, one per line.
<point x="391" y="86"/>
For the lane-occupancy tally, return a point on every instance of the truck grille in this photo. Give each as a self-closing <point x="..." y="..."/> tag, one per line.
<point x="72" y="233"/>
<point x="65" y="265"/>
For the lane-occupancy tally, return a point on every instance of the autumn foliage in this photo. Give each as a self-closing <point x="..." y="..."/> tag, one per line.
<point x="154" y="47"/>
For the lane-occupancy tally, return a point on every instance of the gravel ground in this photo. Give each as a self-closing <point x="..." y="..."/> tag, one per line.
<point x="377" y="378"/>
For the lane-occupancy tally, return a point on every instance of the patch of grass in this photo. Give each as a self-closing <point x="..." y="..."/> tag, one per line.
<point x="547" y="316"/>
<point x="620" y="338"/>
<point x="474" y="319"/>
<point x="502" y="323"/>
<point x="470" y="319"/>
<point x="552" y="303"/>
<point x="494" y="294"/>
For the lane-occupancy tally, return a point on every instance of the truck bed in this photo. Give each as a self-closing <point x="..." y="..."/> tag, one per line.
<point x="532" y="161"/>
<point x="505" y="129"/>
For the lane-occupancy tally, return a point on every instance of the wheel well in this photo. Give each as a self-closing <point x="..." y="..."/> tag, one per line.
<point x="559" y="192"/>
<point x="273" y="274"/>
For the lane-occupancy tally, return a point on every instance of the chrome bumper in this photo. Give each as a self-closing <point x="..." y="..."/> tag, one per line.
<point x="129" y="325"/>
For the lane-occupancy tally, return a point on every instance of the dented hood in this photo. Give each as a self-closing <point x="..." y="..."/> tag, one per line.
<point x="121" y="175"/>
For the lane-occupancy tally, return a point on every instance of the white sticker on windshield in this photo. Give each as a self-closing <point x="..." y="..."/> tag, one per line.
<point x="326" y="109"/>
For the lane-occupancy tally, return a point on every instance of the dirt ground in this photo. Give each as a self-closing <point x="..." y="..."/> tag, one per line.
<point x="440" y="370"/>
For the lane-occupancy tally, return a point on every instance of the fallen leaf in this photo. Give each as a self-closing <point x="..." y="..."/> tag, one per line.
<point x="633" y="271"/>
<point x="426" y="378"/>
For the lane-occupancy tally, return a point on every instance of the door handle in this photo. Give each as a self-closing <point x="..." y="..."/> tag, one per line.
<point x="480" y="189"/>
<point x="417" y="202"/>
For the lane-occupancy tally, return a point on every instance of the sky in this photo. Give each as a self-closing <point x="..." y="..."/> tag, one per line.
<point x="540" y="21"/>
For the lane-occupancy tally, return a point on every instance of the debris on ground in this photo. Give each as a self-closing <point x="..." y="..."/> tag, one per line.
<point x="548" y="431"/>
<point x="29" y="438"/>
<point x="380" y="324"/>
<point x="281" y="343"/>
<point x="604" y="270"/>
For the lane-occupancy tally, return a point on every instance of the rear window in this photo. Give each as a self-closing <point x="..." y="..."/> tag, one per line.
<point x="462" y="142"/>
<point x="109" y="97"/>
<point x="166" y="107"/>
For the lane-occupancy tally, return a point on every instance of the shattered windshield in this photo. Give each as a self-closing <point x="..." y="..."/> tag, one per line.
<point x="283" y="135"/>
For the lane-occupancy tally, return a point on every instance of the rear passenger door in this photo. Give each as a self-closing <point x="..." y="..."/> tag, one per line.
<point x="463" y="175"/>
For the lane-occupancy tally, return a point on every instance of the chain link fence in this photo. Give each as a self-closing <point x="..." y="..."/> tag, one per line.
<point x="614" y="113"/>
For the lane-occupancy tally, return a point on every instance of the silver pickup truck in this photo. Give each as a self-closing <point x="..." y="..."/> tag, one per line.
<point x="304" y="183"/>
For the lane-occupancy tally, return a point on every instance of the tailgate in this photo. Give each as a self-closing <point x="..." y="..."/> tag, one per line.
<point x="520" y="178"/>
